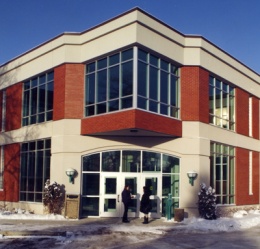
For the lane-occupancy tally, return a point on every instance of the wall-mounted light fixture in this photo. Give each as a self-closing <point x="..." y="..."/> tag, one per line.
<point x="192" y="176"/>
<point x="71" y="173"/>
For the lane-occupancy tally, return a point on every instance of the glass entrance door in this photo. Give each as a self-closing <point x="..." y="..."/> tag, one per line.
<point x="111" y="204"/>
<point x="154" y="186"/>
<point x="132" y="182"/>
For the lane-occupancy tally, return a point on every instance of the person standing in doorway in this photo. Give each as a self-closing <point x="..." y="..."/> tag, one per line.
<point x="145" y="205"/>
<point x="126" y="199"/>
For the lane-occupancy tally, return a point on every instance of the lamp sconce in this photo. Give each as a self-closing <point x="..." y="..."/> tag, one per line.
<point x="71" y="173"/>
<point x="192" y="176"/>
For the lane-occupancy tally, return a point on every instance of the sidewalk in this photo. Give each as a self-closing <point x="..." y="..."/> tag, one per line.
<point x="11" y="227"/>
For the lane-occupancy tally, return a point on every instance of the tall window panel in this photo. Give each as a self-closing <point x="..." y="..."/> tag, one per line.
<point x="38" y="99"/>
<point x="35" y="169"/>
<point x="222" y="172"/>
<point x="158" y="85"/>
<point x="221" y="104"/>
<point x="109" y="84"/>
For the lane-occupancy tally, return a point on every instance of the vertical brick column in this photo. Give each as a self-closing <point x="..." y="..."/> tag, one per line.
<point x="1" y="109"/>
<point x="11" y="173"/>
<point x="68" y="91"/>
<point x="255" y="121"/>
<point x="242" y="112"/>
<point x="14" y="107"/>
<point x="194" y="94"/>
<point x="242" y="177"/>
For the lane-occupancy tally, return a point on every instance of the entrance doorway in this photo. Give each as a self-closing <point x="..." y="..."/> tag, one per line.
<point x="104" y="175"/>
<point x="111" y="201"/>
<point x="112" y="186"/>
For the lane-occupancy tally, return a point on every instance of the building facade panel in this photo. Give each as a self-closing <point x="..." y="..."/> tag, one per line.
<point x="194" y="94"/>
<point x="68" y="91"/>
<point x="10" y="192"/>
<point x="243" y="177"/>
<point x="13" y="107"/>
<point x="242" y="115"/>
<point x="255" y="118"/>
<point x="1" y="110"/>
<point x="131" y="120"/>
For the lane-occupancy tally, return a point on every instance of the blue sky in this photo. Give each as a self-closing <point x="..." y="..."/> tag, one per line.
<point x="232" y="25"/>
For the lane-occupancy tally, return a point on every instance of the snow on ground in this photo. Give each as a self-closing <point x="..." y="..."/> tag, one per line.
<point x="240" y="220"/>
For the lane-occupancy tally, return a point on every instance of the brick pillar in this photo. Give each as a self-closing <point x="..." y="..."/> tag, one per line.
<point x="11" y="173"/>
<point x="255" y="121"/>
<point x="242" y="112"/>
<point x="242" y="177"/>
<point x="194" y="94"/>
<point x="14" y="107"/>
<point x="68" y="91"/>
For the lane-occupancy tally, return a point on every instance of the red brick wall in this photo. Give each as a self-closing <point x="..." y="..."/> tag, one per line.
<point x="131" y="119"/>
<point x="68" y="91"/>
<point x="242" y="112"/>
<point x="242" y="177"/>
<point x="14" y="107"/>
<point x="194" y="94"/>
<point x="255" y="121"/>
<point x="11" y="173"/>
<point x="1" y="108"/>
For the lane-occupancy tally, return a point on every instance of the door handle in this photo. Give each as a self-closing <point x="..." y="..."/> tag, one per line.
<point x="117" y="198"/>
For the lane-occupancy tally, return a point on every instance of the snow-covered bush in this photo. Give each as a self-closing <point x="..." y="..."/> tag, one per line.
<point x="207" y="202"/>
<point x="53" y="197"/>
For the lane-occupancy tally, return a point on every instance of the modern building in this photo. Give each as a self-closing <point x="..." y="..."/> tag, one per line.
<point x="130" y="101"/>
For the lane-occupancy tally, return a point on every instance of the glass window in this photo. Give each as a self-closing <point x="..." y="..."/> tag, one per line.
<point x="221" y="104"/>
<point x="170" y="164"/>
<point x="112" y="79"/>
<point x="35" y="169"/>
<point x="151" y="161"/>
<point x="131" y="161"/>
<point x="38" y="99"/>
<point x="91" y="162"/>
<point x="170" y="185"/>
<point x="158" y="84"/>
<point x="111" y="161"/>
<point x="222" y="172"/>
<point x="90" y="206"/>
<point x="90" y="184"/>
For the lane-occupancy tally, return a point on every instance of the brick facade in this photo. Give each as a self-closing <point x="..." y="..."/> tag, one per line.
<point x="14" y="107"/>
<point x="242" y="112"/>
<point x="68" y="91"/>
<point x="242" y="177"/>
<point x="11" y="173"/>
<point x="194" y="94"/>
<point x="132" y="119"/>
<point x="255" y="121"/>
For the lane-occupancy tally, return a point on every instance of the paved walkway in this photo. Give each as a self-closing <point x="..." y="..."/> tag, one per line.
<point x="99" y="233"/>
<point x="11" y="227"/>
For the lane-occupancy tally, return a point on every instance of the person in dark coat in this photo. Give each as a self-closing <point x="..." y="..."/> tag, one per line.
<point x="145" y="205"/>
<point x="126" y="199"/>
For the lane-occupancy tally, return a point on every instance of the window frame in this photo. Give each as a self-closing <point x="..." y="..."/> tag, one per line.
<point x="38" y="107"/>
<point x="165" y="70"/>
<point x="220" y="115"/>
<point x="222" y="172"/>
<point x="35" y="158"/>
